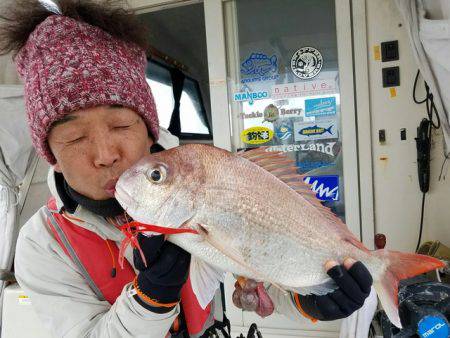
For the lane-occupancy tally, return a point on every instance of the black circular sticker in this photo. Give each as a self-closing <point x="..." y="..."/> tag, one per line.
<point x="306" y="62"/>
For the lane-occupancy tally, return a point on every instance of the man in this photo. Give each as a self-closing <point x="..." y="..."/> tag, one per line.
<point x="92" y="116"/>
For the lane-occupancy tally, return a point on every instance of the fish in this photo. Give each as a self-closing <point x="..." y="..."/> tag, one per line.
<point x="315" y="130"/>
<point x="259" y="64"/>
<point x="251" y="214"/>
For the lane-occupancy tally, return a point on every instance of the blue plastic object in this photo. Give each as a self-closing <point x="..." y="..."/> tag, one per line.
<point x="433" y="327"/>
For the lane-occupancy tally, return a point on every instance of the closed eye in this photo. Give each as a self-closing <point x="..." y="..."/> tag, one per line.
<point x="122" y="127"/>
<point x="76" y="140"/>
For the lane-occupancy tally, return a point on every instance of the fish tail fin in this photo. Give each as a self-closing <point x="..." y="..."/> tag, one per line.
<point x="399" y="266"/>
<point x="329" y="129"/>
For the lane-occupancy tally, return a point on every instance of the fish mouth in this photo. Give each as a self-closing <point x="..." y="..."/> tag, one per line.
<point x="124" y="198"/>
<point x="130" y="205"/>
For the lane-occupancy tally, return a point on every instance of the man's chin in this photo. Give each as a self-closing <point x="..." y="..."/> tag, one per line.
<point x="100" y="196"/>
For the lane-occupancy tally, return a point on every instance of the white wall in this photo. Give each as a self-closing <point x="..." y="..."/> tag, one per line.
<point x="396" y="190"/>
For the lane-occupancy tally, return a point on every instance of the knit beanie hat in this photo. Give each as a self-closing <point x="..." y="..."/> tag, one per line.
<point x="68" y="65"/>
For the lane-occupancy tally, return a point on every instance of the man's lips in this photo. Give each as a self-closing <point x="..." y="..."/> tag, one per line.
<point x="110" y="187"/>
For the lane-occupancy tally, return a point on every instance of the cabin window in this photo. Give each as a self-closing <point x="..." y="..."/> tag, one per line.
<point x="191" y="114"/>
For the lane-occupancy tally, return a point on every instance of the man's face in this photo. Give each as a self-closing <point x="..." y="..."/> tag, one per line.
<point x="94" y="146"/>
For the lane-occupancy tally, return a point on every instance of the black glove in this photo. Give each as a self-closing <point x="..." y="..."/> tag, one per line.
<point x="159" y="284"/>
<point x="354" y="287"/>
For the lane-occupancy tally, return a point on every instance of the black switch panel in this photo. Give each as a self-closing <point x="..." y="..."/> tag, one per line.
<point x="389" y="51"/>
<point x="391" y="77"/>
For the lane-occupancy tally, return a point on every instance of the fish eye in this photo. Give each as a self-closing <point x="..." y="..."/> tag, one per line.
<point x="156" y="175"/>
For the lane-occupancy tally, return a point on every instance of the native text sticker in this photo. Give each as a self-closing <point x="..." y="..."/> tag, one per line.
<point x="306" y="63"/>
<point x="306" y="88"/>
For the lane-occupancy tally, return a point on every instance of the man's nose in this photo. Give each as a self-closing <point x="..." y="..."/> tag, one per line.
<point x="106" y="153"/>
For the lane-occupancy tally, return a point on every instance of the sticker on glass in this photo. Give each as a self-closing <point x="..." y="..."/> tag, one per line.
<point x="259" y="67"/>
<point x="251" y="115"/>
<point x="246" y="94"/>
<point x="325" y="187"/>
<point x="306" y="166"/>
<point x="290" y="112"/>
<point x="320" y="107"/>
<point x="318" y="130"/>
<point x="283" y="131"/>
<point x="271" y="113"/>
<point x="327" y="148"/>
<point x="306" y="63"/>
<point x="316" y="154"/>
<point x="307" y="88"/>
<point x="256" y="135"/>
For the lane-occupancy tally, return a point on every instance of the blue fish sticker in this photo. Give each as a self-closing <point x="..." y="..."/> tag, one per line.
<point x="315" y="130"/>
<point x="259" y="64"/>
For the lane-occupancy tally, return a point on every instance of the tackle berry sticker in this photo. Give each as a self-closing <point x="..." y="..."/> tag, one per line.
<point x="306" y="63"/>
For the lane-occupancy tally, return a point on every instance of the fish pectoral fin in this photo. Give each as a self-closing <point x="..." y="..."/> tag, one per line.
<point x="320" y="289"/>
<point x="205" y="280"/>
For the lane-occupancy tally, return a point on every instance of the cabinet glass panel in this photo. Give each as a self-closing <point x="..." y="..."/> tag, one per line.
<point x="283" y="84"/>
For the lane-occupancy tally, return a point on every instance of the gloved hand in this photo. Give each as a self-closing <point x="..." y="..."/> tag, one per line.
<point x="158" y="285"/>
<point x="354" y="282"/>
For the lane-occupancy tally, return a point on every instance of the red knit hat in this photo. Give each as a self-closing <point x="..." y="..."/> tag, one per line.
<point x="68" y="65"/>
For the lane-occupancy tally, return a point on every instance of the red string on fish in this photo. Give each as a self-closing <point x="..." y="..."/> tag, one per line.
<point x="133" y="228"/>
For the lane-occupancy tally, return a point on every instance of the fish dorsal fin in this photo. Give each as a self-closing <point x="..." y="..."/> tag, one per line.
<point x="285" y="169"/>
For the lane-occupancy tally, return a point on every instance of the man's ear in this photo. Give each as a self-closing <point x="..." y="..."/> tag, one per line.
<point x="57" y="168"/>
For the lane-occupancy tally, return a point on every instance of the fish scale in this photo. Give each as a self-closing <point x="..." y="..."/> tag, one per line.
<point x="253" y="220"/>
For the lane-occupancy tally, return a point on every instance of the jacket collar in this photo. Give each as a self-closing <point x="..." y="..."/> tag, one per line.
<point x="86" y="219"/>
